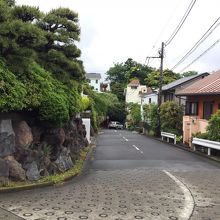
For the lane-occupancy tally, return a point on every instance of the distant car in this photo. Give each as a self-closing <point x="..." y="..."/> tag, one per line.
<point x="115" y="125"/>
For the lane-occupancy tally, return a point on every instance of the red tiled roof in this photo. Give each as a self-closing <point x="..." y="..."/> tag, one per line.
<point x="134" y="82"/>
<point x="210" y="85"/>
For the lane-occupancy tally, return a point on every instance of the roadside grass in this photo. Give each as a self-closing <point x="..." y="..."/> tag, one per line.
<point x="52" y="179"/>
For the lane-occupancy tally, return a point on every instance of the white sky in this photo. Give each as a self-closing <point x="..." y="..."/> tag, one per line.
<point x="114" y="30"/>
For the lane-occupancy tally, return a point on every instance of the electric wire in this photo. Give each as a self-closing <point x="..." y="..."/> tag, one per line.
<point x="192" y="3"/>
<point x="213" y="45"/>
<point x="201" y="40"/>
<point x="147" y="59"/>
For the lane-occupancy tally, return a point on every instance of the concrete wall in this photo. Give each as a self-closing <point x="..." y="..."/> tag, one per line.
<point x="153" y="97"/>
<point x="192" y="125"/>
<point x="86" y="122"/>
<point x="132" y="95"/>
<point x="95" y="85"/>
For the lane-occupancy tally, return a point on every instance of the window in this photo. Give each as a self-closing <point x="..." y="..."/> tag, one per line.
<point x="88" y="80"/>
<point x="207" y="110"/>
<point x="191" y="108"/>
<point x="96" y="81"/>
<point x="168" y="97"/>
<point x="149" y="100"/>
<point x="133" y="87"/>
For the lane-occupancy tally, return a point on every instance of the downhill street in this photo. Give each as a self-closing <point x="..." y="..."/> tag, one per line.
<point x="130" y="176"/>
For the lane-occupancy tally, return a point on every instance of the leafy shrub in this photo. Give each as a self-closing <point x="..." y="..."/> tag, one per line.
<point x="135" y="112"/>
<point x="171" y="114"/>
<point x="179" y="139"/>
<point x="74" y="100"/>
<point x="151" y="115"/>
<point x="54" y="109"/>
<point x="201" y="135"/>
<point x="12" y="91"/>
<point x="213" y="128"/>
<point x="85" y="103"/>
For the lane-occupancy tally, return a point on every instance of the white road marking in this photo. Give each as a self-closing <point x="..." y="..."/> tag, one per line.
<point x="189" y="201"/>
<point x="135" y="147"/>
<point x="125" y="138"/>
<point x="141" y="152"/>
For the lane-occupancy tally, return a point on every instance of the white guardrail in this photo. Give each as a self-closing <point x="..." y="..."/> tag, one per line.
<point x="206" y="143"/>
<point x="168" y="136"/>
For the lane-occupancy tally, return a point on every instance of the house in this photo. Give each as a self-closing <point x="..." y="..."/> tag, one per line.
<point x="94" y="80"/>
<point x="169" y="90"/>
<point x="105" y="87"/>
<point x="150" y="96"/>
<point x="134" y="93"/>
<point x="202" y="100"/>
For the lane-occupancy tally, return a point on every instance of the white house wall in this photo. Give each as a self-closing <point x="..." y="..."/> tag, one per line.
<point x="95" y="85"/>
<point x="132" y="95"/>
<point x="153" y="97"/>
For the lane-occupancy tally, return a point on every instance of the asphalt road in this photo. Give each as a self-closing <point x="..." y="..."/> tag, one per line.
<point x="129" y="177"/>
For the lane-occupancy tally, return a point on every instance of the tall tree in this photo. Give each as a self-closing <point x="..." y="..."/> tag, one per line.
<point x="121" y="74"/>
<point x="153" y="78"/>
<point x="59" y="55"/>
<point x="18" y="36"/>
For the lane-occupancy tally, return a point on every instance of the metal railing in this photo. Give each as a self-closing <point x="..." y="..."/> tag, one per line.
<point x="206" y="143"/>
<point x="168" y="136"/>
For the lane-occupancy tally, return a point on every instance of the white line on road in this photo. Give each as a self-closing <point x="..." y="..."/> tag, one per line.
<point x="135" y="147"/>
<point x="125" y="138"/>
<point x="189" y="201"/>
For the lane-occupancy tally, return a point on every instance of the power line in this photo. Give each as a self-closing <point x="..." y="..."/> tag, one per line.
<point x="192" y="3"/>
<point x="213" y="45"/>
<point x="201" y="40"/>
<point x="147" y="59"/>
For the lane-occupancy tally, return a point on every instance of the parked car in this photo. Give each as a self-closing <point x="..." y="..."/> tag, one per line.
<point x="115" y="125"/>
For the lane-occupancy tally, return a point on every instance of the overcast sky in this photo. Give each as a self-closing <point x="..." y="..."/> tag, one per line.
<point x="114" y="30"/>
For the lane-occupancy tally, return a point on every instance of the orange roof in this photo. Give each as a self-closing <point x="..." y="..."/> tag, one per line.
<point x="210" y="85"/>
<point x="134" y="82"/>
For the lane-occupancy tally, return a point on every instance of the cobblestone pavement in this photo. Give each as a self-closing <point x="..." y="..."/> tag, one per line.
<point x="127" y="194"/>
<point x="187" y="188"/>
<point x="120" y="194"/>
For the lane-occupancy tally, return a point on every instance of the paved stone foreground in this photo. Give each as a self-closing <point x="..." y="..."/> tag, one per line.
<point x="128" y="194"/>
<point x="120" y="194"/>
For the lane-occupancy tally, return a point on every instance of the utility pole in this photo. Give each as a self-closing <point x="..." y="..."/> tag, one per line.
<point x="161" y="57"/>
<point x="161" y="53"/>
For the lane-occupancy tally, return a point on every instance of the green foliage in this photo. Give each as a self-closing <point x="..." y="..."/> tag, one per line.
<point x="213" y="128"/>
<point x="135" y="112"/>
<point x="61" y="25"/>
<point x="179" y="139"/>
<point x="117" y="112"/>
<point x="201" y="135"/>
<point x="122" y="73"/>
<point x="26" y="13"/>
<point x="85" y="103"/>
<point x="171" y="115"/>
<point x="189" y="73"/>
<point x="31" y="41"/>
<point x="151" y="112"/>
<point x="54" y="109"/>
<point x="153" y="78"/>
<point x="12" y="91"/>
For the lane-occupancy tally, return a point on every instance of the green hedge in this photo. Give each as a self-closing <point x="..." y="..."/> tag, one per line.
<point x="12" y="91"/>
